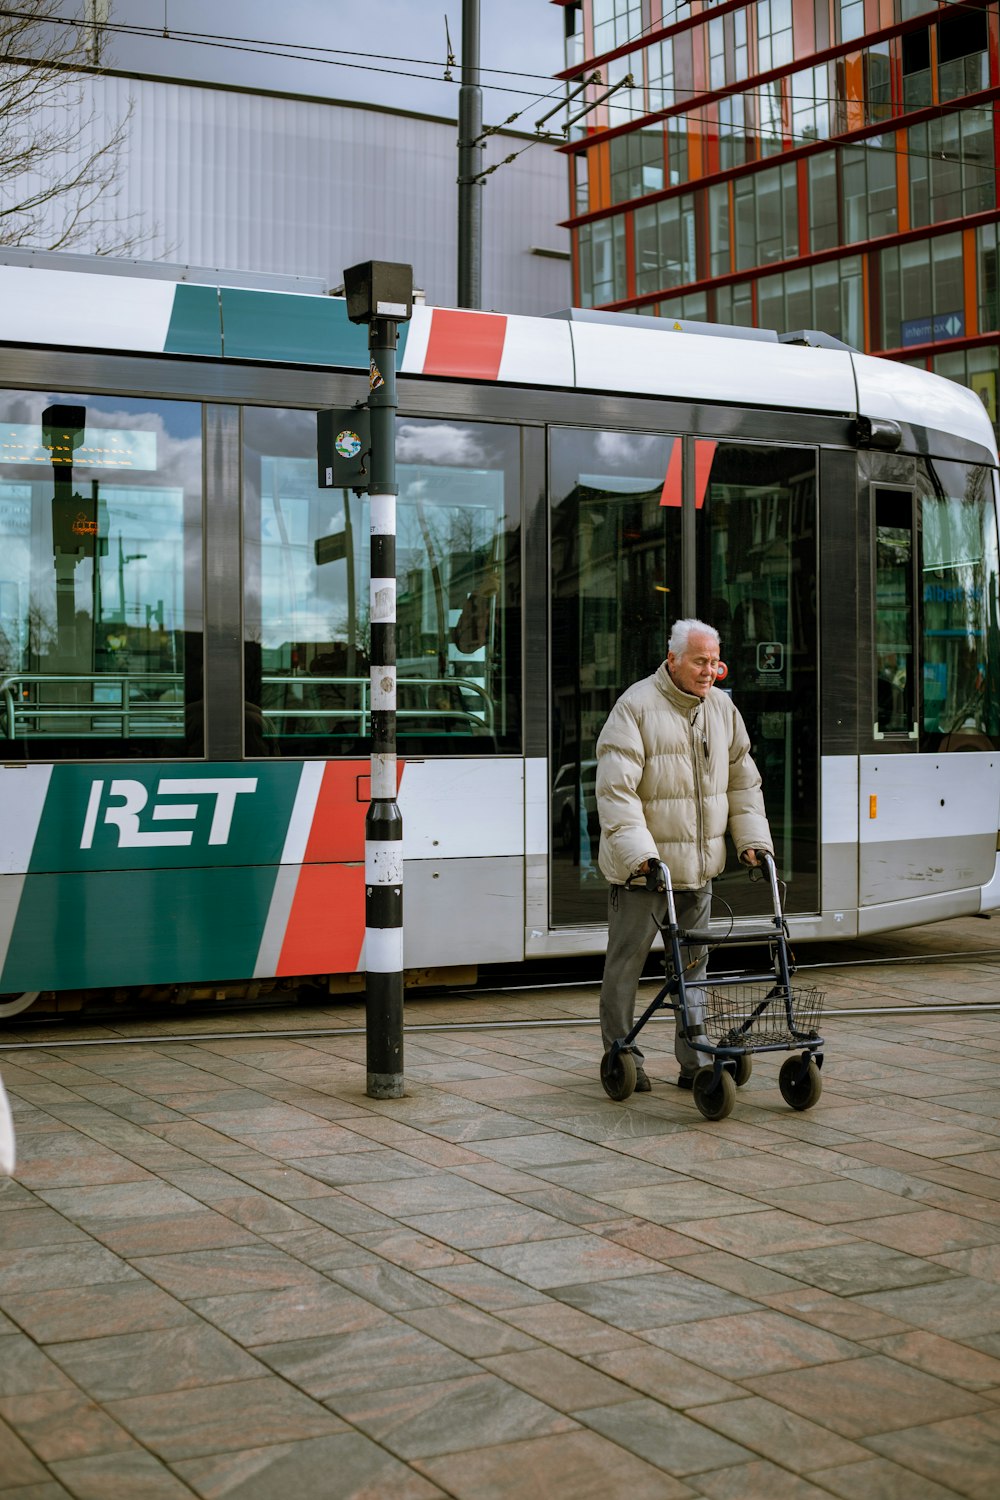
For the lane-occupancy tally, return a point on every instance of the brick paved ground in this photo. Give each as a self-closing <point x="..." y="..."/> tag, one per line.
<point x="226" y="1272"/>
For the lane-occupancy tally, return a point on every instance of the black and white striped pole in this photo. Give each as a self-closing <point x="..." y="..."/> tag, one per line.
<point x="381" y="295"/>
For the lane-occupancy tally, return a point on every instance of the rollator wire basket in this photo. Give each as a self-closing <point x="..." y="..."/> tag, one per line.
<point x="759" y="1016"/>
<point x="727" y="1017"/>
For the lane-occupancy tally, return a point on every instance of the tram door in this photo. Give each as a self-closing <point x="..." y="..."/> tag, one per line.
<point x="634" y="514"/>
<point x="756" y="549"/>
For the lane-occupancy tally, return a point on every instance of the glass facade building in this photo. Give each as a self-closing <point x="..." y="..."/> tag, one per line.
<point x="826" y="164"/>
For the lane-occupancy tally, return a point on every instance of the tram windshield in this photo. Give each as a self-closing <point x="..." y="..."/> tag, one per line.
<point x="458" y="592"/>
<point x="960" y="631"/>
<point x="100" y="577"/>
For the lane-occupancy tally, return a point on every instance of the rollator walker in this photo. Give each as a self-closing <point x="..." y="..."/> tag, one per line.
<point x="728" y="1017"/>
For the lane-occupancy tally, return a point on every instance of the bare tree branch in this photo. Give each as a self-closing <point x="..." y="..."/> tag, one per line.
<point x="59" y="155"/>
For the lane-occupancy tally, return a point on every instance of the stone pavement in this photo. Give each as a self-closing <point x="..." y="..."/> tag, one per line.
<point x="226" y="1272"/>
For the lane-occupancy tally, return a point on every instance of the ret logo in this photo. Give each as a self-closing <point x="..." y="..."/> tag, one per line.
<point x="124" y="813"/>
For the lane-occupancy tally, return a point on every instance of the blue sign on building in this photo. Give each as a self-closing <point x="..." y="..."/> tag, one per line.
<point x="929" y="330"/>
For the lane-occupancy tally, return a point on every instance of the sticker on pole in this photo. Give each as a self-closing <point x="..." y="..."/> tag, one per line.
<point x="347" y="443"/>
<point x="375" y="377"/>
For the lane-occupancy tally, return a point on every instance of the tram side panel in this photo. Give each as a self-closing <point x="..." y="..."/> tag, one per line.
<point x="167" y="874"/>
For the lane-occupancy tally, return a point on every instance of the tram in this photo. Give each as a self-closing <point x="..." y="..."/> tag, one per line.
<point x="184" y="625"/>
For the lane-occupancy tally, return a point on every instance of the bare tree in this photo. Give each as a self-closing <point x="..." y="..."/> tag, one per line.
<point x="59" y="153"/>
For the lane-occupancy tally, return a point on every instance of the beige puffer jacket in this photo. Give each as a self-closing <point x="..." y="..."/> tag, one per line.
<point x="673" y="772"/>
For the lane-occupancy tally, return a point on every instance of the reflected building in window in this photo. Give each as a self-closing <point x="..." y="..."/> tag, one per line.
<point x="794" y="164"/>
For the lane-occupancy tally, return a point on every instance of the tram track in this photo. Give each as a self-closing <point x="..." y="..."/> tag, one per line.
<point x="973" y="959"/>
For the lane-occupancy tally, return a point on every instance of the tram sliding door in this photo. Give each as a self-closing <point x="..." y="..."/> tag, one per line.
<point x="632" y="515"/>
<point x="756" y="583"/>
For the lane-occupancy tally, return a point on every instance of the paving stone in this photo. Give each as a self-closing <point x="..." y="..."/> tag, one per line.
<point x="449" y="1416"/>
<point x="963" y="1453"/>
<point x="91" y="1311"/>
<point x="166" y="1359"/>
<point x="131" y="1475"/>
<point x="62" y="1424"/>
<point x="306" y="1471"/>
<point x="754" y="1343"/>
<point x="878" y="1479"/>
<point x="868" y="1395"/>
<point x="222" y="1418"/>
<point x="375" y="1356"/>
<point x="654" y="1301"/>
<point x="570" y="1466"/>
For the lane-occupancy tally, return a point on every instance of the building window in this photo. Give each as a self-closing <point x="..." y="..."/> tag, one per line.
<point x="581" y="182"/>
<point x="868" y="177"/>
<point x="774" y="34"/>
<point x="989" y="280"/>
<point x="922" y="292"/>
<point x="615" y="23"/>
<point x="963" y="61"/>
<point x="766" y="216"/>
<point x="852" y="19"/>
<point x="636" y="164"/>
<point x="718" y="229"/>
<point x="693" y="306"/>
<point x="660" y="76"/>
<point x="716" y="53"/>
<point x="916" y="64"/>
<point x="664" y="244"/>
<point x="976" y="368"/>
<point x="827" y="297"/>
<point x="824" y="230"/>
<point x="601" y="251"/>
<point x="732" y="131"/>
<point x="734" y="304"/>
<point x="878" y="84"/>
<point x="951" y="166"/>
<point x="809" y="92"/>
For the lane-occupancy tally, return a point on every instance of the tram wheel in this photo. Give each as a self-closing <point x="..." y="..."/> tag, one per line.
<point x="13" y="1002"/>
<point x="618" y="1075"/>
<point x="744" y="1067"/>
<point x="714" y="1097"/>
<point x="800" y="1090"/>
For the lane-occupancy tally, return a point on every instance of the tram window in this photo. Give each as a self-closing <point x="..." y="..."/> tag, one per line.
<point x="756" y="548"/>
<point x="100" y="577"/>
<point x="615" y="590"/>
<point x="895" y="683"/>
<point x="960" y="628"/>
<point x="458" y="592"/>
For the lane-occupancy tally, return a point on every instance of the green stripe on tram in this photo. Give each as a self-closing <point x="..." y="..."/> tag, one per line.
<point x="240" y="324"/>
<point x="150" y="874"/>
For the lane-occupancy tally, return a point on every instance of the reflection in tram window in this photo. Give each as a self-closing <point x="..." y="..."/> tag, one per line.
<point x="960" y="631"/>
<point x="894" y="633"/>
<point x="756" y="548"/>
<point x="615" y="590"/>
<point x="100" y="577"/>
<point x="458" y="591"/>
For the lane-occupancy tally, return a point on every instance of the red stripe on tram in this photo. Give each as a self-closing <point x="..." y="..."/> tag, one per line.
<point x="466" y="344"/>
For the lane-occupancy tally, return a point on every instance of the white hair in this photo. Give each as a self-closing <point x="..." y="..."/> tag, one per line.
<point x="682" y="632"/>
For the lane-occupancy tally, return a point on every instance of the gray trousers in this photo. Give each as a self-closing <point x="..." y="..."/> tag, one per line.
<point x="631" y="930"/>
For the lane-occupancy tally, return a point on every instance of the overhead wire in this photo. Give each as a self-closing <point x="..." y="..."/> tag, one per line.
<point x="336" y="57"/>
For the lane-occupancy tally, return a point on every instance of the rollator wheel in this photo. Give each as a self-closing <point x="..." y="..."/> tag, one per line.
<point x="714" y="1097"/>
<point x="618" y="1075"/>
<point x="801" y="1092"/>
<point x="744" y="1067"/>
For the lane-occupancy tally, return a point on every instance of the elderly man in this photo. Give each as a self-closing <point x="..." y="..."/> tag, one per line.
<point x="673" y="773"/>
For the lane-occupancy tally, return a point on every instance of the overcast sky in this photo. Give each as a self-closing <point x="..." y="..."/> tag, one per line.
<point x="522" y="36"/>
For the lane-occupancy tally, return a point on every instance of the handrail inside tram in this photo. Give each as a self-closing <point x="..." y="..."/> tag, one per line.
<point x="152" y="702"/>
